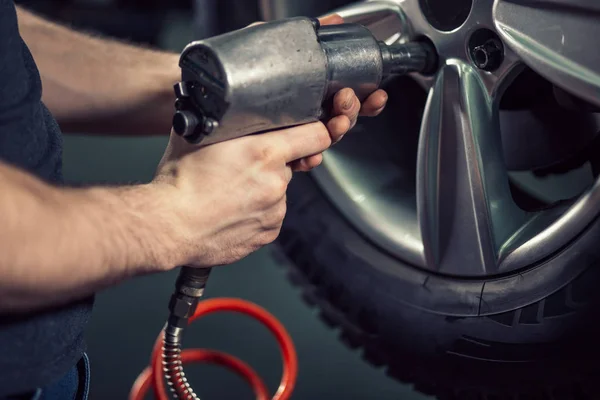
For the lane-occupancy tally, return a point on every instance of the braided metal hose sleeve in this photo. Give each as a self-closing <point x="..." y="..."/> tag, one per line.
<point x="168" y="356"/>
<point x="173" y="366"/>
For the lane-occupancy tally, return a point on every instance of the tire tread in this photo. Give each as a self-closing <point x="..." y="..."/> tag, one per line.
<point x="357" y="325"/>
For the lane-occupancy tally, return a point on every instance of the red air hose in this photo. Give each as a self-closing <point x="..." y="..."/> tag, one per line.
<point x="153" y="377"/>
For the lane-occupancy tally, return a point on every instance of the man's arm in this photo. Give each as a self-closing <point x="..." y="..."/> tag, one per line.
<point x="97" y="85"/>
<point x="57" y="245"/>
<point x="60" y="244"/>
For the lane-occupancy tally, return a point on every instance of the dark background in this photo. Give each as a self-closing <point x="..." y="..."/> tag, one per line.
<point x="128" y="318"/>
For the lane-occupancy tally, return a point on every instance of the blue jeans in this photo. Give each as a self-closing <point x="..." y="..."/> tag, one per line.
<point x="74" y="385"/>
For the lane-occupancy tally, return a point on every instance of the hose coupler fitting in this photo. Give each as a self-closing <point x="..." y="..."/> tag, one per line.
<point x="188" y="290"/>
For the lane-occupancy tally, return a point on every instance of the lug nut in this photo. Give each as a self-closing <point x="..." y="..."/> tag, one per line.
<point x="488" y="56"/>
<point x="486" y="50"/>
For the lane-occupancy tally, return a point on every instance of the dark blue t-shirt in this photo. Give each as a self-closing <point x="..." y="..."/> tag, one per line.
<point x="38" y="348"/>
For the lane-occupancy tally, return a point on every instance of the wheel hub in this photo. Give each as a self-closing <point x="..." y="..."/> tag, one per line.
<point x="455" y="214"/>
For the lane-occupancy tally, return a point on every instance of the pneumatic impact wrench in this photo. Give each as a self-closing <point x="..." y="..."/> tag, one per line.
<point x="265" y="77"/>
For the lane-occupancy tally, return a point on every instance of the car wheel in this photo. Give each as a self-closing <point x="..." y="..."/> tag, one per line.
<point x="454" y="239"/>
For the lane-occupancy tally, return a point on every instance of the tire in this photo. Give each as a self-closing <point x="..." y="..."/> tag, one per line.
<point x="528" y="335"/>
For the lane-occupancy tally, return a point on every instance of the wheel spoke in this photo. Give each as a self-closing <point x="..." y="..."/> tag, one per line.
<point x="556" y="38"/>
<point x="386" y="20"/>
<point x="464" y="205"/>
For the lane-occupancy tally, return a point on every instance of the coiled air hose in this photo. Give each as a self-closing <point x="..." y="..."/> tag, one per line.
<point x="168" y="358"/>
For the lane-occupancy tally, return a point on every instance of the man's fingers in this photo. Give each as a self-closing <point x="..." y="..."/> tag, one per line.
<point x="338" y="127"/>
<point x="297" y="166"/>
<point x="289" y="170"/>
<point x="333" y="19"/>
<point x="346" y="103"/>
<point x="298" y="142"/>
<point x="313" y="161"/>
<point x="308" y="163"/>
<point x="374" y="104"/>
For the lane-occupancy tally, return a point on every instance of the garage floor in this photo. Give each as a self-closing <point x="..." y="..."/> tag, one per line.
<point x="128" y="318"/>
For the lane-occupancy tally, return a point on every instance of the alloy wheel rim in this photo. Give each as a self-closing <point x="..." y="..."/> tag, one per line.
<point x="461" y="219"/>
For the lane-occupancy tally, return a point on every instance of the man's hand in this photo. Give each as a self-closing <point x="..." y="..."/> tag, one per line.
<point x="346" y="109"/>
<point x="229" y="199"/>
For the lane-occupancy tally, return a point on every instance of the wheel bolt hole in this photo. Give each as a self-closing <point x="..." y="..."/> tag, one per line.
<point x="446" y="15"/>
<point x="486" y="50"/>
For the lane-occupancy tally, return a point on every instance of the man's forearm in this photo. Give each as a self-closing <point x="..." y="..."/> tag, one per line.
<point x="57" y="245"/>
<point x="96" y="85"/>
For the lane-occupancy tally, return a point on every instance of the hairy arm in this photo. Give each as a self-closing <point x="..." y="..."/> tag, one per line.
<point x="58" y="245"/>
<point x="97" y="85"/>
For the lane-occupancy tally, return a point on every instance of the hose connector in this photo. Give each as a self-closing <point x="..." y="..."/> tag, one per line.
<point x="189" y="288"/>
